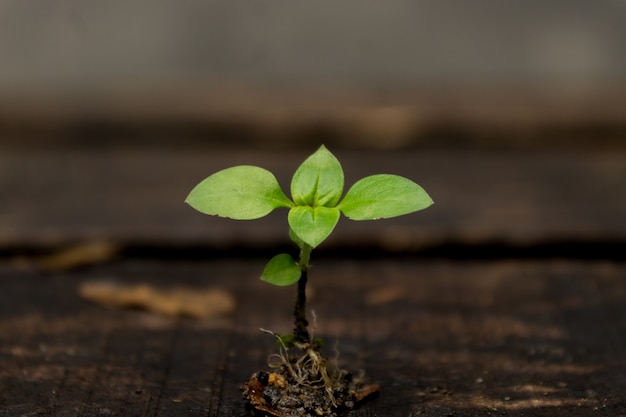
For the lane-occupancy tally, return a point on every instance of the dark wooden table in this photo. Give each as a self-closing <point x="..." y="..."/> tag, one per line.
<point x="508" y="297"/>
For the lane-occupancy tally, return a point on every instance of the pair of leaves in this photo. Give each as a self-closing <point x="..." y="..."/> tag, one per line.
<point x="249" y="192"/>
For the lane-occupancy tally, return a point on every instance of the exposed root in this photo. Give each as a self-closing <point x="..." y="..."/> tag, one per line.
<point x="306" y="384"/>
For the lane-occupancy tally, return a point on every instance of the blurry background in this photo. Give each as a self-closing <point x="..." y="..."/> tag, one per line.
<point x="507" y="295"/>
<point x="512" y="114"/>
<point x="364" y="42"/>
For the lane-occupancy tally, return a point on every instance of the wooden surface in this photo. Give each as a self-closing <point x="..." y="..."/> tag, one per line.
<point x="297" y="115"/>
<point x="466" y="338"/>
<point x="507" y="297"/>
<point x="135" y="196"/>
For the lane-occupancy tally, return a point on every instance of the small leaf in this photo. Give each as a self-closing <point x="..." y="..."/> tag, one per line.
<point x="242" y="193"/>
<point x="318" y="181"/>
<point x="383" y="196"/>
<point x="281" y="270"/>
<point x="286" y="340"/>
<point x="317" y="343"/>
<point x="313" y="225"/>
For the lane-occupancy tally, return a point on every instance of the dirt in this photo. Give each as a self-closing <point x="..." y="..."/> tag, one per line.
<point x="305" y="385"/>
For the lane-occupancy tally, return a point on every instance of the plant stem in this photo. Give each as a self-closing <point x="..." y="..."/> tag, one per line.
<point x="301" y="330"/>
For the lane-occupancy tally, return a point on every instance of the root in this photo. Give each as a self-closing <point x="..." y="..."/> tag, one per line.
<point x="308" y="369"/>
<point x="302" y="382"/>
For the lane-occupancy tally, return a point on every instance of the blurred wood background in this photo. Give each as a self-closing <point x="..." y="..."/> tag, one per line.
<point x="507" y="297"/>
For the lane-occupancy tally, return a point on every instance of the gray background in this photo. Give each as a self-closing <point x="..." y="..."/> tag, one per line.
<point x="349" y="41"/>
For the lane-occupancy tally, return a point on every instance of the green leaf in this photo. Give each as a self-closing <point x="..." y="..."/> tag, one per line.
<point x="383" y="196"/>
<point x="295" y="238"/>
<point x="318" y="181"/>
<point x="281" y="270"/>
<point x="313" y="224"/>
<point x="241" y="192"/>
<point x="317" y="343"/>
<point x="287" y="340"/>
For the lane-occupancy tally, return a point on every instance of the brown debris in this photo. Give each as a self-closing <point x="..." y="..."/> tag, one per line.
<point x="279" y="395"/>
<point x="187" y="302"/>
<point x="384" y="295"/>
<point x="305" y="385"/>
<point x="76" y="256"/>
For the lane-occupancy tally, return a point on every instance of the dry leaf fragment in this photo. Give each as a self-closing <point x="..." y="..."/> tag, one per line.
<point x="76" y="256"/>
<point x="198" y="303"/>
<point x="384" y="295"/>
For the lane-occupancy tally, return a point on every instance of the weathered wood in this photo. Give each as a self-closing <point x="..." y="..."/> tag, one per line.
<point x="465" y="338"/>
<point x="135" y="196"/>
<point x="291" y="116"/>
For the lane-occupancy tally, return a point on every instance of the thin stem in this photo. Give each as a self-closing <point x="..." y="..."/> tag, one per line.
<point x="301" y="330"/>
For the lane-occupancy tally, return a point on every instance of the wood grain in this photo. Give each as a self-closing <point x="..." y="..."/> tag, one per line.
<point x="136" y="196"/>
<point x="465" y="338"/>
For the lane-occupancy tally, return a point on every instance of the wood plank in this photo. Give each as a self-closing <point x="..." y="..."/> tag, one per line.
<point x="281" y="116"/>
<point x="466" y="338"/>
<point x="135" y="196"/>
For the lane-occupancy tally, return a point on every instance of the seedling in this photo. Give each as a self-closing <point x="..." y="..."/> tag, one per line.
<point x="305" y="384"/>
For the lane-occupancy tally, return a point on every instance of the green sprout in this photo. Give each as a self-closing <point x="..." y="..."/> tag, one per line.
<point x="249" y="192"/>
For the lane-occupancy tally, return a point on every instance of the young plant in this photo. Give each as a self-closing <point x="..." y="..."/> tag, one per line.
<point x="249" y="192"/>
